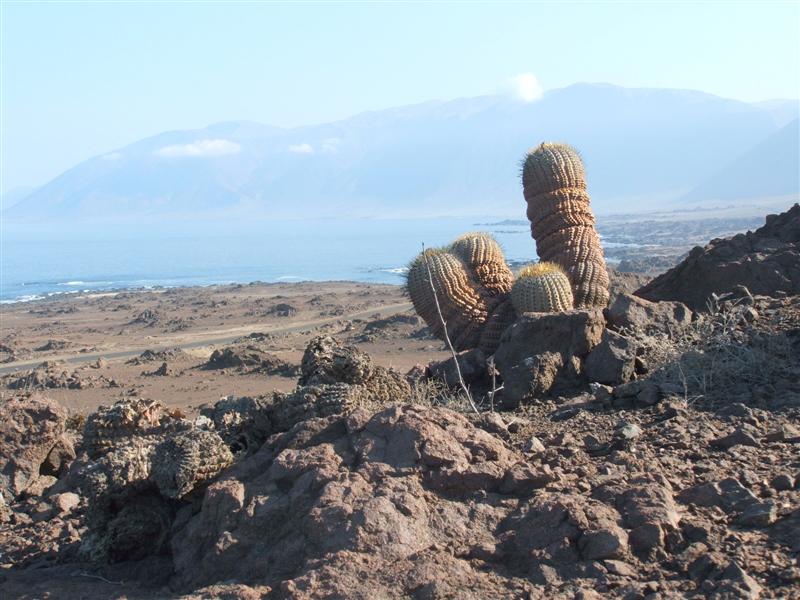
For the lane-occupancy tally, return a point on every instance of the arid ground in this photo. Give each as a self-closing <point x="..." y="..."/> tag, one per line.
<point x="93" y="343"/>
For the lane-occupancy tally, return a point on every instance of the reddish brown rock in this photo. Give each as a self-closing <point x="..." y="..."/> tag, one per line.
<point x="541" y="352"/>
<point x="766" y="261"/>
<point x="29" y="430"/>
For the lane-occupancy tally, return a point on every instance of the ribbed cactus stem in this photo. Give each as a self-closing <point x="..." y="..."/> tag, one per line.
<point x="562" y="222"/>
<point x="463" y="303"/>
<point x="481" y="252"/>
<point x="543" y="287"/>
<point x="550" y="167"/>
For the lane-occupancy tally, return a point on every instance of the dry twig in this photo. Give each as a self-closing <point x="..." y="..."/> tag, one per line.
<point x="446" y="335"/>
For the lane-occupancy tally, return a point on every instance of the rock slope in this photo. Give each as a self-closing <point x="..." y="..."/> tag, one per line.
<point x="766" y="261"/>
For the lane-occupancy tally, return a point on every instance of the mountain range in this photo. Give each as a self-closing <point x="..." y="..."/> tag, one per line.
<point x="644" y="149"/>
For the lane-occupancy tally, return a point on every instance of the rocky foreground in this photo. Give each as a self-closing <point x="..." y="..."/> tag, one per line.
<point x="651" y="450"/>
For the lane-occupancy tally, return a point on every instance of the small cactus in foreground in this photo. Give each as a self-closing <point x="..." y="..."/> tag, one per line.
<point x="562" y="222"/>
<point x="543" y="287"/>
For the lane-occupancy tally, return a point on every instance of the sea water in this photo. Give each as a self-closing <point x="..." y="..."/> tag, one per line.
<point x="42" y="261"/>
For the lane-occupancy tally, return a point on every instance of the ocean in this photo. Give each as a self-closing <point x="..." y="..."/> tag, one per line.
<point x="40" y="261"/>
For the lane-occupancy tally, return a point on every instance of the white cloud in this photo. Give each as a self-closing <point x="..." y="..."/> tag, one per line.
<point x="200" y="148"/>
<point x="301" y="148"/>
<point x="526" y="87"/>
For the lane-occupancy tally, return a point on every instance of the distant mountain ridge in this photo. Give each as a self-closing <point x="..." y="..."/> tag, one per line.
<point x="643" y="148"/>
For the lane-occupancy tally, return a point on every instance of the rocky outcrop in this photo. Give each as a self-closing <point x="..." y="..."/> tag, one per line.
<point x="766" y="261"/>
<point x="382" y="493"/>
<point x="612" y="361"/>
<point x="542" y="353"/>
<point x="471" y="364"/>
<point x="51" y="375"/>
<point x="30" y="430"/>
<point x="632" y="312"/>
<point x="250" y="358"/>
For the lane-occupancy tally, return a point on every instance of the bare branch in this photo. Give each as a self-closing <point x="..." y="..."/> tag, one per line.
<point x="446" y="336"/>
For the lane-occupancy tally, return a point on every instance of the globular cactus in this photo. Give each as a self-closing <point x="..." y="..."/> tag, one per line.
<point x="386" y="386"/>
<point x="140" y="529"/>
<point x="184" y="461"/>
<point x="325" y="360"/>
<point x="562" y="222"/>
<point x="465" y="305"/>
<point x="336" y="379"/>
<point x="543" y="287"/>
<point x="313" y="401"/>
<point x="110" y="484"/>
<point x="131" y="490"/>
<point x="241" y="421"/>
<point x="481" y="252"/>
<point x="113" y="425"/>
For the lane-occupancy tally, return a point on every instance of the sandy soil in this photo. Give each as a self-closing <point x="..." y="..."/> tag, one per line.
<point x="95" y="340"/>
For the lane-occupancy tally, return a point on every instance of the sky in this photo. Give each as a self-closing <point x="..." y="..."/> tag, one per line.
<point x="80" y="79"/>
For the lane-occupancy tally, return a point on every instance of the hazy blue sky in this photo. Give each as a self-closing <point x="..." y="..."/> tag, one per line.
<point x="80" y="79"/>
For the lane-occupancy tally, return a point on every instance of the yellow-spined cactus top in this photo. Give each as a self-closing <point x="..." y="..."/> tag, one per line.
<point x="539" y="269"/>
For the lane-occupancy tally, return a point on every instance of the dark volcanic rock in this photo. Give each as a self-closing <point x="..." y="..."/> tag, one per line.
<point x="541" y="352"/>
<point x="250" y="358"/>
<point x="766" y="261"/>
<point x="612" y="360"/>
<point x="629" y="311"/>
<point x="472" y="364"/>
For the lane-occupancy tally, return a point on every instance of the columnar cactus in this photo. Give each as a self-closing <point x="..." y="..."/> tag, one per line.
<point x="562" y="222"/>
<point x="482" y="253"/>
<point x="465" y="305"/>
<point x="542" y="287"/>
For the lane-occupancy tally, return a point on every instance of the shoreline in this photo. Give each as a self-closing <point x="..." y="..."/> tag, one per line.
<point x="68" y="295"/>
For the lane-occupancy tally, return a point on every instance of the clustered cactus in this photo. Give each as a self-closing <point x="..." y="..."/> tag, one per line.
<point x="477" y="295"/>
<point x="147" y="463"/>
<point x="471" y="281"/>
<point x="143" y="460"/>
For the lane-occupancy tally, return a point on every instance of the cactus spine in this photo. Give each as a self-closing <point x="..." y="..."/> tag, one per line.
<point x="543" y="287"/>
<point x="562" y="222"/>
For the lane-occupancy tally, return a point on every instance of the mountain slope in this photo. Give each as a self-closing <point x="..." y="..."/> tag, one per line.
<point x="642" y="148"/>
<point x="770" y="168"/>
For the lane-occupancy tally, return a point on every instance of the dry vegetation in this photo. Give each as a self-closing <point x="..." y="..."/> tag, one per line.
<point x="725" y="355"/>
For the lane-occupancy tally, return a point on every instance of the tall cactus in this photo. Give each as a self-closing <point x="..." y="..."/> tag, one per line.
<point x="542" y="287"/>
<point x="562" y="222"/>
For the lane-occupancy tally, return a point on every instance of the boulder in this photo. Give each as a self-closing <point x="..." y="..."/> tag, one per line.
<point x="766" y="261"/>
<point x="631" y="312"/>
<point x="30" y="428"/>
<point x="472" y="364"/>
<point x="541" y="353"/>
<point x="385" y="486"/>
<point x="249" y="358"/>
<point x="612" y="361"/>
